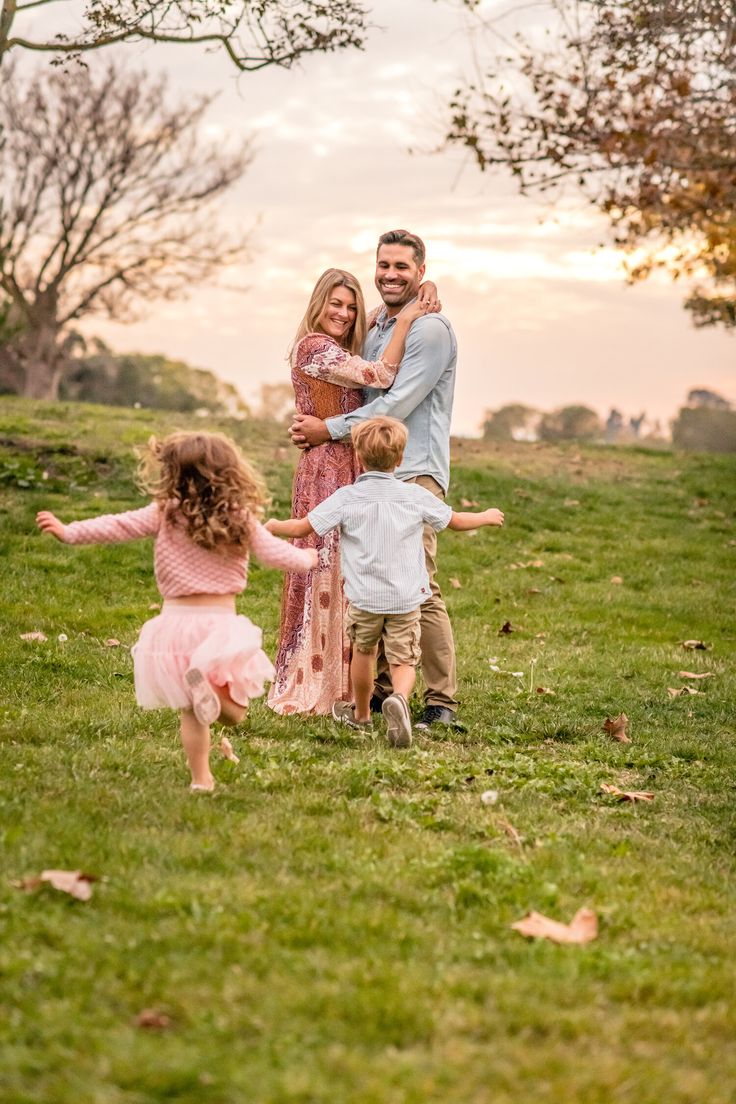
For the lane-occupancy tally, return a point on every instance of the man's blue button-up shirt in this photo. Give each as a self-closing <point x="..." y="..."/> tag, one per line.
<point x="421" y="395"/>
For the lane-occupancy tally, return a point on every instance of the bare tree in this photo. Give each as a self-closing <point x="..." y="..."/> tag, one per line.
<point x="252" y="33"/>
<point x="106" y="196"/>
<point x="634" y="103"/>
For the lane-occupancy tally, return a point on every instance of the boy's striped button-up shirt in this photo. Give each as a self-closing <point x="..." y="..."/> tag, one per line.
<point x="381" y="520"/>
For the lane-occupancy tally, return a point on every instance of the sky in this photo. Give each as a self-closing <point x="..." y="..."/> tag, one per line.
<point x="347" y="146"/>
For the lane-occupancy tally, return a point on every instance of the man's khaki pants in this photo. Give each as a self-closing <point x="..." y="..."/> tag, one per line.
<point x="438" y="646"/>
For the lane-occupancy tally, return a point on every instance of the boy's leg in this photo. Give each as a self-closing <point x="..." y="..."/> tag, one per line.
<point x="363" y="631"/>
<point x="195" y="738"/>
<point x="362" y="670"/>
<point x="438" y="645"/>
<point x="403" y="677"/>
<point x="401" y="644"/>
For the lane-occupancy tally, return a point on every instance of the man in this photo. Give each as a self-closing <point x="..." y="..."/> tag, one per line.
<point x="421" y="397"/>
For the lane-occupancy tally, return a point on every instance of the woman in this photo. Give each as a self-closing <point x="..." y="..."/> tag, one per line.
<point x="328" y="374"/>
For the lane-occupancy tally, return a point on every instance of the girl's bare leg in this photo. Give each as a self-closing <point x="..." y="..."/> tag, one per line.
<point x="195" y="738"/>
<point x="231" y="712"/>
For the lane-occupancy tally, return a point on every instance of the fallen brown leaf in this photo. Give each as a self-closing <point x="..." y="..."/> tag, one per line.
<point x="456" y="584"/>
<point x="677" y="691"/>
<point x="111" y="642"/>
<point x="73" y="882"/>
<point x="510" y="831"/>
<point x="582" y="928"/>
<point x="617" y="580"/>
<point x="33" y="636"/>
<point x="467" y="503"/>
<point x="571" y="502"/>
<point x="506" y="628"/>
<point x="616" y="727"/>
<point x="546" y="690"/>
<point x="152" y="1019"/>
<point x="692" y="675"/>
<point x="627" y="795"/>
<point x="534" y="590"/>
<point x="227" y="750"/>
<point x="694" y="645"/>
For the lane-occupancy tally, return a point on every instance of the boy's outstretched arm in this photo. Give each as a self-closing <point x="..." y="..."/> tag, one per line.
<point x="465" y="520"/>
<point x="293" y="527"/>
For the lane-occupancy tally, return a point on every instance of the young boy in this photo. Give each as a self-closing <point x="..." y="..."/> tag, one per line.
<point x="381" y="520"/>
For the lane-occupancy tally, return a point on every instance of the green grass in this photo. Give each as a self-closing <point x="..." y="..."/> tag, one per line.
<point x="334" y="924"/>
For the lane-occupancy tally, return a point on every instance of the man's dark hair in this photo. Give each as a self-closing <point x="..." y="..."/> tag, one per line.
<point x="404" y="237"/>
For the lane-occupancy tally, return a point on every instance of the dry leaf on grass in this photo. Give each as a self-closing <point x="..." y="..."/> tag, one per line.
<point x="111" y="642"/>
<point x="616" y="727"/>
<point x="533" y="590"/>
<point x="677" y="691"/>
<point x="510" y="831"/>
<point x="695" y="645"/>
<point x="582" y="928"/>
<point x="73" y="882"/>
<point x="617" y="580"/>
<point x="227" y="750"/>
<point x="571" y="502"/>
<point x="467" y="503"/>
<point x="627" y="795"/>
<point x="692" y="675"/>
<point x="152" y="1019"/>
<point x="545" y="690"/>
<point x="506" y="628"/>
<point x="33" y="636"/>
<point x="455" y="584"/>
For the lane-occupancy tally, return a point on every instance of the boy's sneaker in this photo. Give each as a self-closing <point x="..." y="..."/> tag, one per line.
<point x="398" y="720"/>
<point x="205" y="702"/>
<point x="344" y="713"/>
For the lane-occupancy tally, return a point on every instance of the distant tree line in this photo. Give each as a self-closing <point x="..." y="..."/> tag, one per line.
<point x="707" y="423"/>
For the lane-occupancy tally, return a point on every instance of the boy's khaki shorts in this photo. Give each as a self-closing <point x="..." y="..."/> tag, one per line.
<point x="400" y="633"/>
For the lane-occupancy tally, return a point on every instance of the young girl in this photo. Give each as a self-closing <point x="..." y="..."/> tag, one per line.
<point x="198" y="656"/>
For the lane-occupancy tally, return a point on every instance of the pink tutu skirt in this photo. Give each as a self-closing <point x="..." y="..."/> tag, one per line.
<point x="222" y="644"/>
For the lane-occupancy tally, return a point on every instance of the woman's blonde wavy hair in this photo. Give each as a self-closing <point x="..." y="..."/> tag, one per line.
<point x="328" y="281"/>
<point x="204" y="479"/>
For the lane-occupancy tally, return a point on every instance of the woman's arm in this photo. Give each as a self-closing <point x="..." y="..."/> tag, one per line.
<point x="320" y="356"/>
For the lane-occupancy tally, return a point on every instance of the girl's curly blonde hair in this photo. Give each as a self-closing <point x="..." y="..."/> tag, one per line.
<point x="204" y="479"/>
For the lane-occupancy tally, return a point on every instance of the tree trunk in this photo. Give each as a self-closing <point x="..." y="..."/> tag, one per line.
<point x="42" y="362"/>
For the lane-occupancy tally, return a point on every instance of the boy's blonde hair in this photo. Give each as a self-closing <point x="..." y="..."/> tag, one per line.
<point x="379" y="443"/>
<point x="204" y="480"/>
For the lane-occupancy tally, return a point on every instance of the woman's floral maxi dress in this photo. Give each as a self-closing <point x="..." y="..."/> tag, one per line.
<point x="312" y="663"/>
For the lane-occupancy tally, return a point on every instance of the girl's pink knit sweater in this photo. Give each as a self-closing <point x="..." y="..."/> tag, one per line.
<point x="181" y="566"/>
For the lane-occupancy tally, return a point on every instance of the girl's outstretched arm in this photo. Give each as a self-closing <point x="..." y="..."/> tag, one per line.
<point x="49" y="523"/>
<point x="277" y="553"/>
<point x="106" y="529"/>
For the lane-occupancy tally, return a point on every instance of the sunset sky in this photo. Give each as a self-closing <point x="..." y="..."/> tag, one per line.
<point x="541" y="316"/>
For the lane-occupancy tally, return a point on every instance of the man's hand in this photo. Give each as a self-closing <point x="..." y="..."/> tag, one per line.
<point x="306" y="431"/>
<point x="49" y="523"/>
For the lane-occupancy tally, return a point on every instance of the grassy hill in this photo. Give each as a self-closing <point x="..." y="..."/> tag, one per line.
<point x="334" y="924"/>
